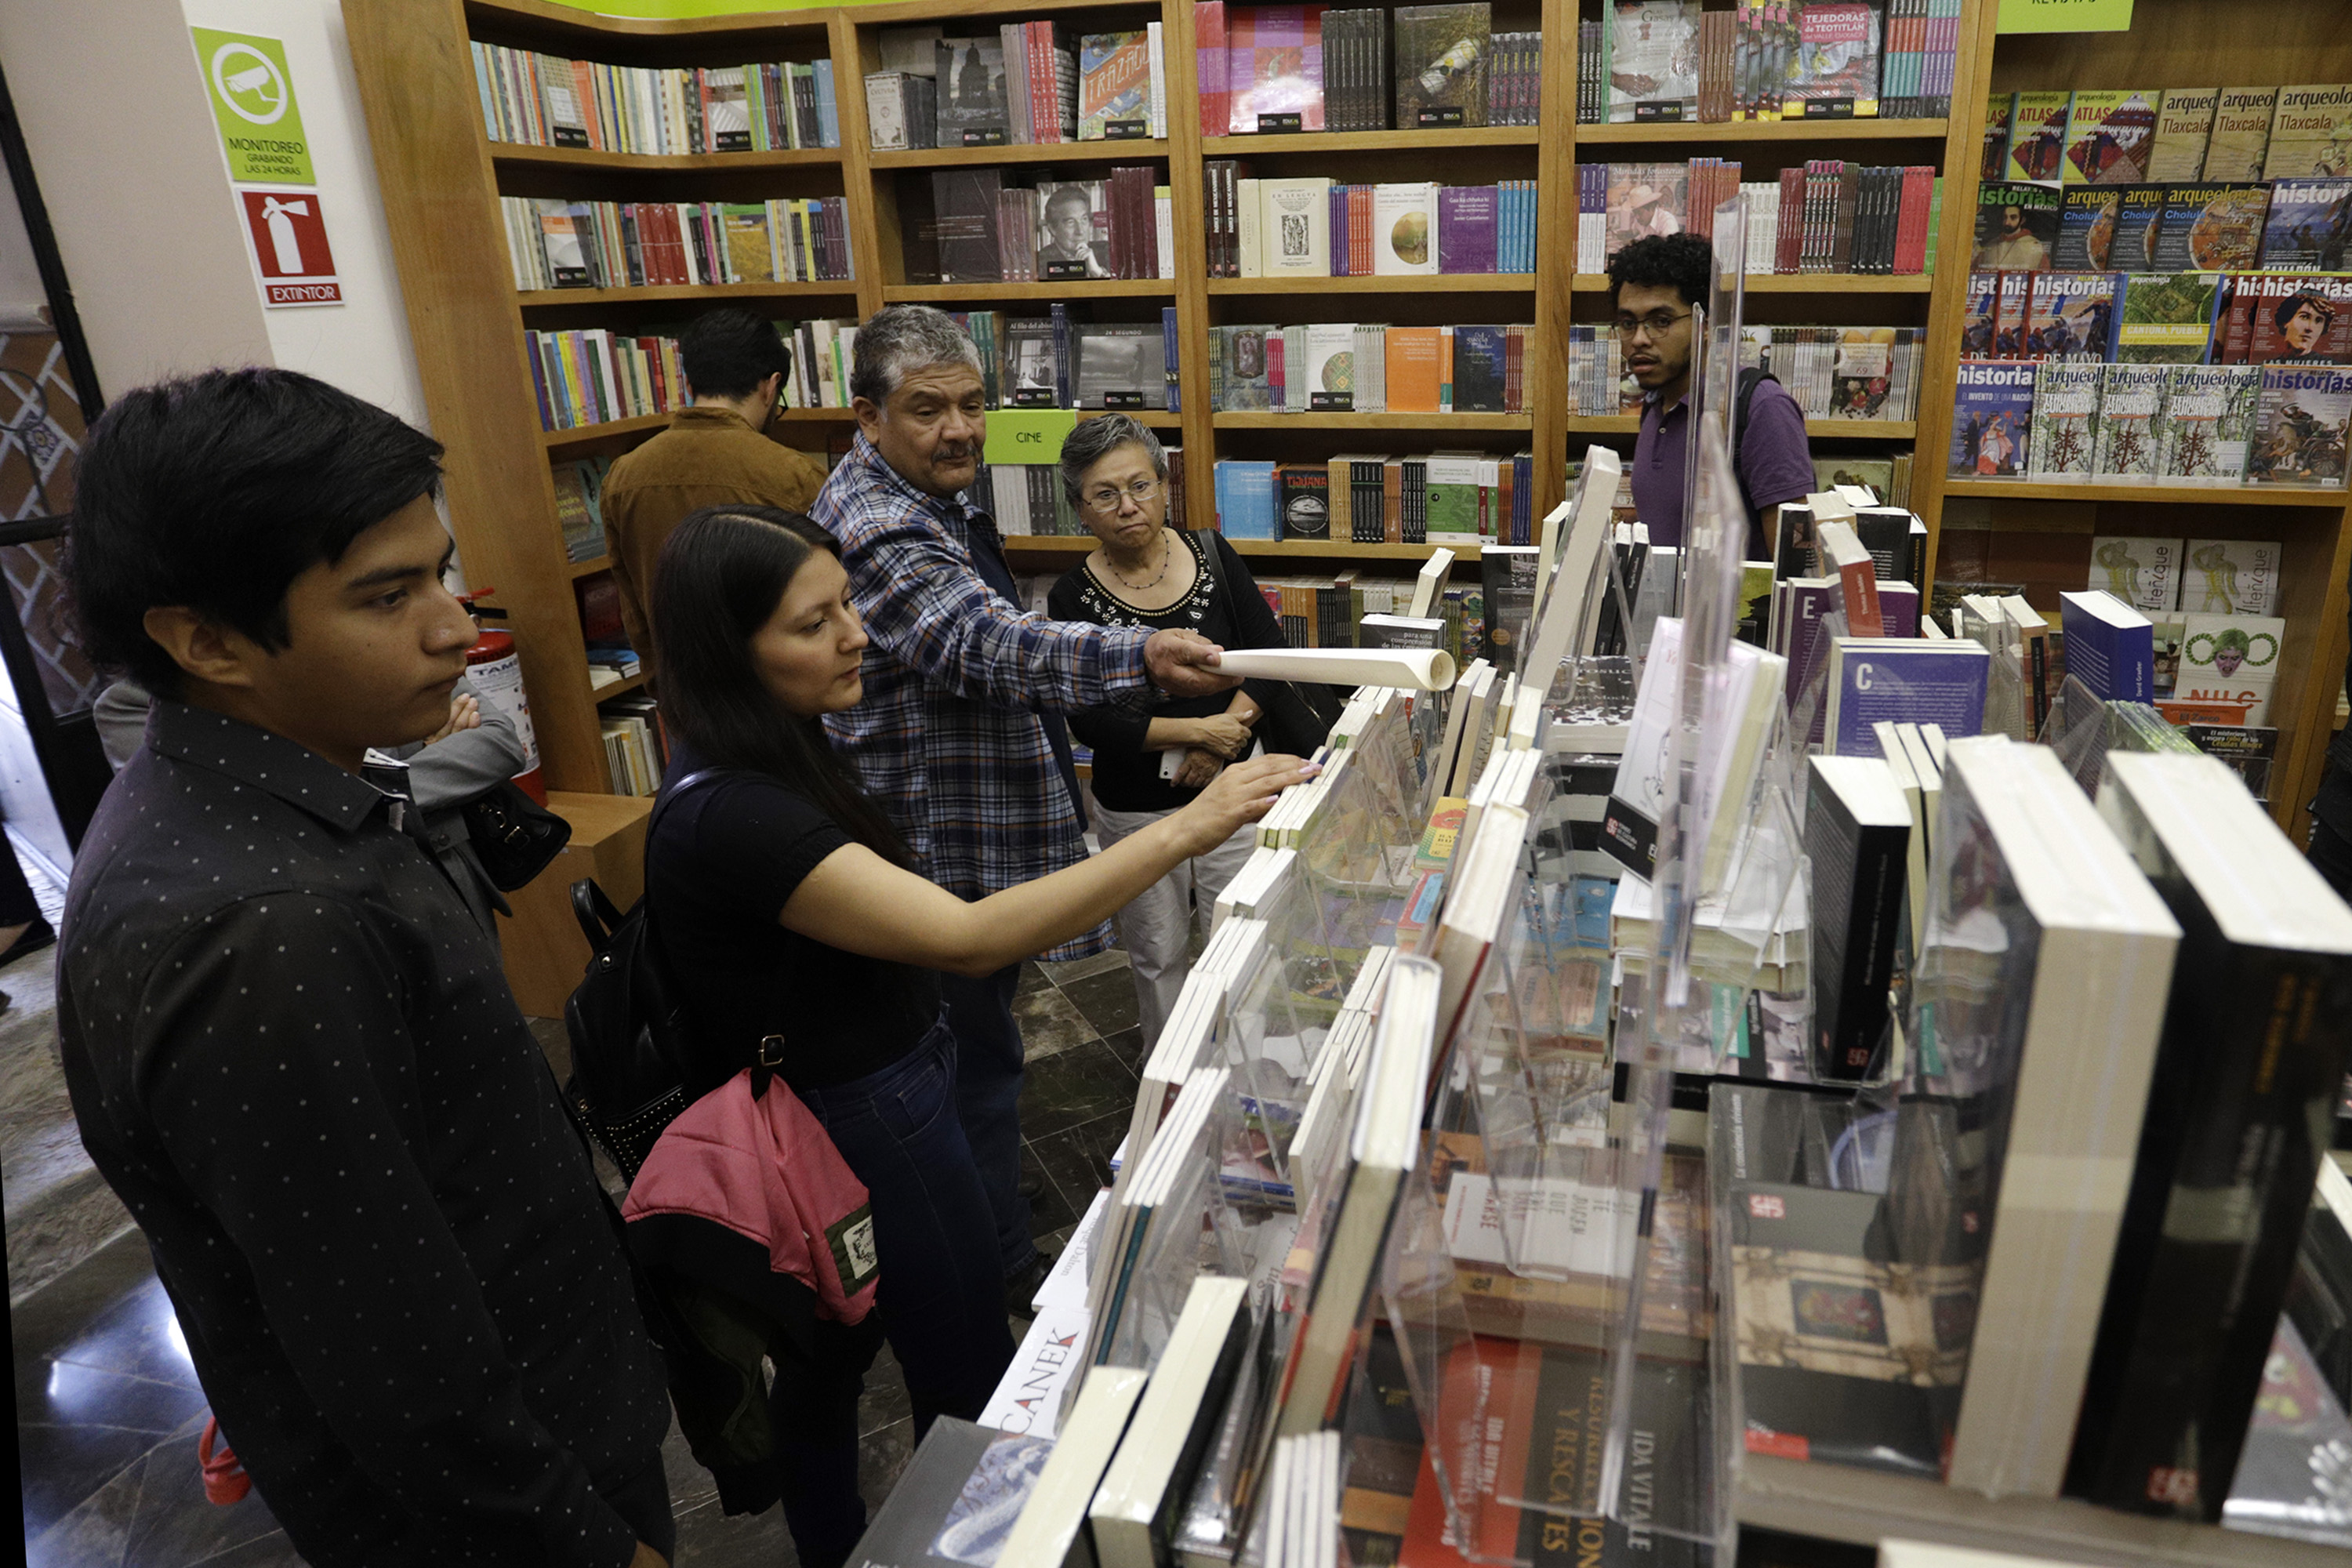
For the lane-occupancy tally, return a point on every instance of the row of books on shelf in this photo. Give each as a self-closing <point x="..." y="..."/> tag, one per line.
<point x="1023" y="86"/>
<point x="2126" y="136"/>
<point x="1287" y="68"/>
<point x="1829" y="215"/>
<point x="1424" y="497"/>
<point x="544" y="101"/>
<point x="2160" y="318"/>
<point x="1842" y="373"/>
<point x="635" y="751"/>
<point x="593" y="377"/>
<point x="2063" y="421"/>
<point x="1310" y="226"/>
<point x="1367" y="367"/>
<point x="1028" y="225"/>
<point x="555" y="244"/>
<point x="1660" y="61"/>
<point x="2299" y="224"/>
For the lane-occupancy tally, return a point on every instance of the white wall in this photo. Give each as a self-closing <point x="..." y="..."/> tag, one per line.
<point x="129" y="168"/>
<point x="21" y="298"/>
<point x="361" y="345"/>
<point x="130" y="164"/>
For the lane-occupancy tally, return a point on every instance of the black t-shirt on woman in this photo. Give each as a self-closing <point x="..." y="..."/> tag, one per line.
<point x="1125" y="776"/>
<point x="724" y="859"/>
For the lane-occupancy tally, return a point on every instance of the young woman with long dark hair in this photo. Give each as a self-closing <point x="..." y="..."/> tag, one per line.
<point x="791" y="915"/>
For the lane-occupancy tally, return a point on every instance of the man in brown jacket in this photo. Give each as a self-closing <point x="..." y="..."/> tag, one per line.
<point x="715" y="453"/>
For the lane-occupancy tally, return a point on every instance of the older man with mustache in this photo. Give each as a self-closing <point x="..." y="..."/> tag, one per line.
<point x="960" y="736"/>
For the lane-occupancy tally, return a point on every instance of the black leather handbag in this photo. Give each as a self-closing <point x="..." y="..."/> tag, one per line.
<point x="513" y="835"/>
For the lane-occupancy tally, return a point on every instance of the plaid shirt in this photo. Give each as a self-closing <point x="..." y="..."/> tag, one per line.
<point x="948" y="738"/>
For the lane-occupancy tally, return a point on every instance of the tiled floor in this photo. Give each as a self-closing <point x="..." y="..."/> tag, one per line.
<point x="109" y="1411"/>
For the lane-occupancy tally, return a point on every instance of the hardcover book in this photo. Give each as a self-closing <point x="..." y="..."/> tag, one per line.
<point x="2208" y="413"/>
<point x="2016" y="227"/>
<point x="973" y="111"/>
<point x="2249" y="1058"/>
<point x="2037" y="136"/>
<point x="1991" y="417"/>
<point x="1120" y="365"/>
<point x="1274" y="68"/>
<point x="2066" y="409"/>
<point x="1442" y="64"/>
<point x="2302" y="415"/>
<point x="2167" y="318"/>
<point x="2131" y="414"/>
<point x="2232" y="577"/>
<point x="2110" y="133"/>
<point x="2183" y="120"/>
<point x="2242" y="133"/>
<point x="2311" y="133"/>
<point x="2212" y="228"/>
<point x="1652" y="55"/>
<point x="1645" y="199"/>
<point x="2110" y="645"/>
<point x="1857" y="836"/>
<point x="1834" y="71"/>
<point x="2310" y="224"/>
<point x="1114" y="86"/>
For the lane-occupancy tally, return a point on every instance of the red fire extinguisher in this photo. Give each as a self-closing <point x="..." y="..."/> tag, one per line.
<point x="495" y="667"/>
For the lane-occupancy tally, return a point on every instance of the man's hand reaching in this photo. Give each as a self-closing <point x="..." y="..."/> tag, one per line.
<point x="1184" y="664"/>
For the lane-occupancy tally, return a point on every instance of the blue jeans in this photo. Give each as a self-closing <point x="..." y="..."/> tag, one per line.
<point x="989" y="1058"/>
<point x="941" y="1296"/>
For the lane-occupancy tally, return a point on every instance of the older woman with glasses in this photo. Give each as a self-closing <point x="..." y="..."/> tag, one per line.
<point x="1152" y="761"/>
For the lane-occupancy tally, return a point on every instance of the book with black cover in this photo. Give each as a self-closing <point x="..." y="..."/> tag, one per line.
<point x="965" y="202"/>
<point x="2245" y="1080"/>
<point x="1508" y="575"/>
<point x="1305" y="496"/>
<point x="1857" y="834"/>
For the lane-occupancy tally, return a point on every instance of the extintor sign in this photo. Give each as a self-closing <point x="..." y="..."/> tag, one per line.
<point x="287" y="232"/>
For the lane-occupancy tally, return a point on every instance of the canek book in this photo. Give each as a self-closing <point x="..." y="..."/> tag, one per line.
<point x="1991" y="419"/>
<point x="2249" y="1059"/>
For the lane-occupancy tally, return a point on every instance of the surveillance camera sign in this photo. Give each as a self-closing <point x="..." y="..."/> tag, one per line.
<point x="288" y="232"/>
<point x="252" y="96"/>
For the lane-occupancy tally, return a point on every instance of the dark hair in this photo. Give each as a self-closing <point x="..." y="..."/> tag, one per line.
<point x="728" y="352"/>
<point x="721" y="577"/>
<point x="2320" y="303"/>
<point x="216" y="492"/>
<point x="1682" y="262"/>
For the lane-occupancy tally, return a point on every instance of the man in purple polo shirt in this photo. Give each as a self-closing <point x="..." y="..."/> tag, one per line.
<point x="1653" y="283"/>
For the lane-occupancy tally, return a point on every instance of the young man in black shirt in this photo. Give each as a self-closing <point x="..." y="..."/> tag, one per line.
<point x="291" y="1049"/>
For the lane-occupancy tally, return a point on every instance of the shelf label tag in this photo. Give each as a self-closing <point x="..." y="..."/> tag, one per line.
<point x="2065" y="16"/>
<point x="252" y="95"/>
<point x="1028" y="435"/>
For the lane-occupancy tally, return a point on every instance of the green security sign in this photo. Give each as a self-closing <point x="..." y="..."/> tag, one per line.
<point x="252" y="96"/>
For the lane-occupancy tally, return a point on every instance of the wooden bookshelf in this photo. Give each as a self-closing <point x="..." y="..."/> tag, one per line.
<point x="2171" y="43"/>
<point x="440" y="175"/>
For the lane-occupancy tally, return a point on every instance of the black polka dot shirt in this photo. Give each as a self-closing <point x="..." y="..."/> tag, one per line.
<point x="294" y="1056"/>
